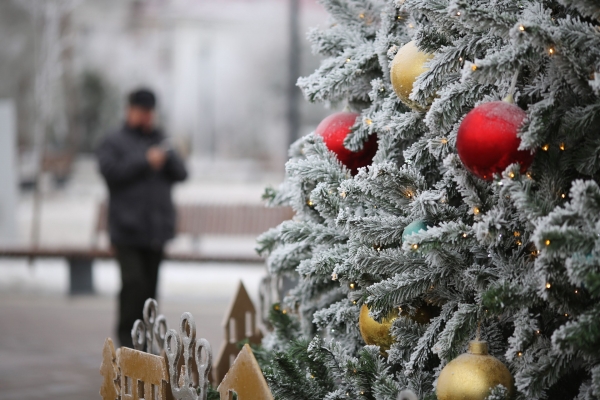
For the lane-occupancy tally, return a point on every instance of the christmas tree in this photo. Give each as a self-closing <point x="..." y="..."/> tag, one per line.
<point x="477" y="218"/>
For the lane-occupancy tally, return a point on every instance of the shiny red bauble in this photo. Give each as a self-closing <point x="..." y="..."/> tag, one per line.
<point x="334" y="130"/>
<point x="487" y="139"/>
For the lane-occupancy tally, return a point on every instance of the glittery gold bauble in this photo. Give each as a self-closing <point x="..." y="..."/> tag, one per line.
<point x="374" y="332"/>
<point x="472" y="375"/>
<point x="407" y="65"/>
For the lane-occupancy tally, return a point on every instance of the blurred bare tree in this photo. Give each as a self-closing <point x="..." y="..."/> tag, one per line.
<point x="53" y="111"/>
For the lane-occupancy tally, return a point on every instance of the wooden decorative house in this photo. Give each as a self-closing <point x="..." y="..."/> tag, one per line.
<point x="239" y="324"/>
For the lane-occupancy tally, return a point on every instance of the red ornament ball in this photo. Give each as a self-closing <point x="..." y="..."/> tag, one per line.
<point x="487" y="139"/>
<point x="334" y="130"/>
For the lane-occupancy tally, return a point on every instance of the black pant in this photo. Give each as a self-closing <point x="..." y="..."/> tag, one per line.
<point x="139" y="276"/>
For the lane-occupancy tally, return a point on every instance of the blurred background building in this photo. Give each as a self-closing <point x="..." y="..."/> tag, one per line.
<point x="221" y="70"/>
<point x="224" y="72"/>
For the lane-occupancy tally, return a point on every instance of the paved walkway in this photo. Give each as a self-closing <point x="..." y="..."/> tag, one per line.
<point x="51" y="344"/>
<point x="50" y="347"/>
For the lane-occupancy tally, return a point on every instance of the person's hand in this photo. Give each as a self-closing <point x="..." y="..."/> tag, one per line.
<point x="156" y="157"/>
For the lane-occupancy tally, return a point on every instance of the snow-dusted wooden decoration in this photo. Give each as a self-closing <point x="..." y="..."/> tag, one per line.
<point x="181" y="371"/>
<point x="189" y="378"/>
<point x="132" y="374"/>
<point x="239" y="324"/>
<point x="245" y="379"/>
<point x="110" y="389"/>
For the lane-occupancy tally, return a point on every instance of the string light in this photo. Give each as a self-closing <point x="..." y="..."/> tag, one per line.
<point x="347" y="60"/>
<point x="444" y="140"/>
<point x="334" y="276"/>
<point x="519" y="243"/>
<point x="473" y="67"/>
<point x="545" y="147"/>
<point x="562" y="146"/>
<point x="460" y="59"/>
<point x="310" y="203"/>
<point x="576" y="291"/>
<point x="520" y="354"/>
<point x="361" y="15"/>
<point x="563" y="195"/>
<point x="521" y="28"/>
<point x="511" y="175"/>
<point x="368" y="121"/>
<point x="548" y="285"/>
<point x="458" y="13"/>
<point x="352" y="285"/>
<point x="415" y="246"/>
<point x="566" y="315"/>
<point x="343" y="195"/>
<point x="476" y="210"/>
<point x="547" y="242"/>
<point x="537" y="332"/>
<point x="465" y="235"/>
<point x="551" y="51"/>
<point x="516" y="233"/>
<point x="411" y="26"/>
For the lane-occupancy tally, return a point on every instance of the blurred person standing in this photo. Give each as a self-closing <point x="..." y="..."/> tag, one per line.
<point x="139" y="168"/>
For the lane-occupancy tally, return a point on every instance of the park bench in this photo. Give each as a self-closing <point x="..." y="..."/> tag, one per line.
<point x="193" y="220"/>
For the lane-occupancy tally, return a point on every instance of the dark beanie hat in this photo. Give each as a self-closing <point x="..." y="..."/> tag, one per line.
<point x="143" y="98"/>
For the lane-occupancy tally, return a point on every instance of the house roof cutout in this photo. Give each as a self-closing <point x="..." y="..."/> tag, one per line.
<point x="245" y="378"/>
<point x="240" y="304"/>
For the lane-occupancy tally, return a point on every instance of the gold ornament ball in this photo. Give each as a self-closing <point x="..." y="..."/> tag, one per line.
<point x="407" y="65"/>
<point x="472" y="375"/>
<point x="376" y="333"/>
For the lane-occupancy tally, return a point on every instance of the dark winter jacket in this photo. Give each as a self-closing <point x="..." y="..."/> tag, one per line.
<point x="140" y="211"/>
